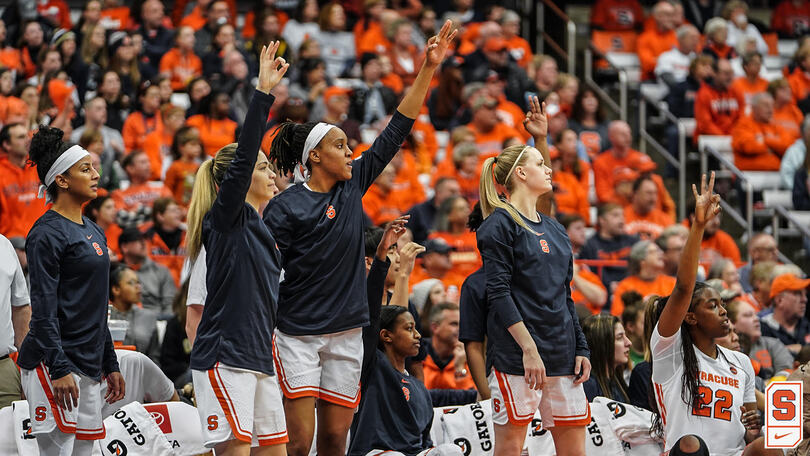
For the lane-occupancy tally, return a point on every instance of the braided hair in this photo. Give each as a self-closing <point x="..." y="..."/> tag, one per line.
<point x="288" y="145"/>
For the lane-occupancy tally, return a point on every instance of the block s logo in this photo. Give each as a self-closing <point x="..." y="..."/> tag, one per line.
<point x="407" y="393"/>
<point x="117" y="448"/>
<point x="783" y="417"/>
<point x="330" y="212"/>
<point x="544" y="246"/>
<point x="213" y="422"/>
<point x="39" y="414"/>
<point x="98" y="249"/>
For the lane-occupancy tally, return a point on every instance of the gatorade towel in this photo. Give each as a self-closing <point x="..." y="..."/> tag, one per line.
<point x="468" y="426"/>
<point x="180" y="423"/>
<point x="131" y="431"/>
<point x="26" y="442"/>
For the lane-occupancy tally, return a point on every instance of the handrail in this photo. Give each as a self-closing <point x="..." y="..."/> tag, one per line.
<point x="748" y="221"/>
<point x="781" y="211"/>
<point x="570" y="52"/>
<point x="603" y="95"/>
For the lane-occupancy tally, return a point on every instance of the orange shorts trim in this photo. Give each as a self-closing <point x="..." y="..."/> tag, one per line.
<point x="508" y="396"/>
<point x="227" y="405"/>
<point x="67" y="427"/>
<point x="574" y="421"/>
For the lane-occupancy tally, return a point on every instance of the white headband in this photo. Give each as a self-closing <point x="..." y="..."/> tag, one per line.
<point x="509" y="176"/>
<point x="62" y="164"/>
<point x="315" y="136"/>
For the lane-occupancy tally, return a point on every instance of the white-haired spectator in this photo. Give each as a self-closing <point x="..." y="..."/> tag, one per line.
<point x="716" y="31"/>
<point x="736" y="13"/>
<point x="672" y="66"/>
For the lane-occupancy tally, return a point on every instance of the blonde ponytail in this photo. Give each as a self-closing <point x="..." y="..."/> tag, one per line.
<point x="499" y="170"/>
<point x="208" y="179"/>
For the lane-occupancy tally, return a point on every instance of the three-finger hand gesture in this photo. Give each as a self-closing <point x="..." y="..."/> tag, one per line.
<point x="437" y="45"/>
<point x="271" y="70"/>
<point x="393" y="231"/>
<point x="536" y="121"/>
<point x="707" y="203"/>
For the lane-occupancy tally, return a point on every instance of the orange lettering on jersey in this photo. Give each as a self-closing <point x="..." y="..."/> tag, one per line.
<point x="39" y="414"/>
<point x="213" y="422"/>
<point x="719" y="379"/>
<point x="407" y="393"/>
<point x="330" y="212"/>
<point x="98" y="249"/>
<point x="544" y="246"/>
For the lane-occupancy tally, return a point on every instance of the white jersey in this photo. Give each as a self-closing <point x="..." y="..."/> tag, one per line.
<point x="145" y="382"/>
<point x="726" y="383"/>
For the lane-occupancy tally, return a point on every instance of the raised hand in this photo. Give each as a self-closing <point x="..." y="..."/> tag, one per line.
<point x="707" y="203"/>
<point x="407" y="257"/>
<point x="536" y="121"/>
<point x="270" y="70"/>
<point x="437" y="45"/>
<point x="393" y="231"/>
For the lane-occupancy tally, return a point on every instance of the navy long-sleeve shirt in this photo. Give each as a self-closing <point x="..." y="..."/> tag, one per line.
<point x="528" y="277"/>
<point x="243" y="265"/>
<point x="395" y="411"/>
<point x="474" y="312"/>
<point x="70" y="273"/>
<point x="321" y="240"/>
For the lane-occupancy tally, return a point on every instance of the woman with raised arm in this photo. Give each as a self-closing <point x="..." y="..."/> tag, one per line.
<point x="541" y="358"/>
<point x="68" y="349"/>
<point x="318" y="225"/>
<point x="232" y="364"/>
<point x="699" y="387"/>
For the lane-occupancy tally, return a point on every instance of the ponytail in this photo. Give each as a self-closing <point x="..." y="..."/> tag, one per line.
<point x="499" y="170"/>
<point x="206" y="183"/>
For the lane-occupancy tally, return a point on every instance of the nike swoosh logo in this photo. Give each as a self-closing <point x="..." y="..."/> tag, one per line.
<point x="90" y="236"/>
<point x="779" y="436"/>
<point x="405" y="381"/>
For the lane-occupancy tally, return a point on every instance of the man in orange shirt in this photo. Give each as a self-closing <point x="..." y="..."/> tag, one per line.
<point x="436" y="264"/>
<point x="655" y="41"/>
<point x="19" y="184"/>
<point x="379" y="201"/>
<point x="716" y="243"/>
<point x="518" y="47"/>
<point x="445" y="366"/>
<point x="799" y="79"/>
<point x="616" y="15"/>
<point x="752" y="83"/>
<point x="569" y="195"/>
<point x="137" y="199"/>
<point x="506" y="111"/>
<point x="618" y="156"/>
<point x="642" y="218"/>
<point x="757" y="141"/>
<point x="646" y="264"/>
<point x="717" y="104"/>
<point x="489" y="132"/>
<point x="180" y="64"/>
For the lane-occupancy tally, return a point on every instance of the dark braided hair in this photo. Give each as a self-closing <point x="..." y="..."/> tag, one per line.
<point x="46" y="147"/>
<point x="690" y="380"/>
<point x="388" y="318"/>
<point x="287" y="146"/>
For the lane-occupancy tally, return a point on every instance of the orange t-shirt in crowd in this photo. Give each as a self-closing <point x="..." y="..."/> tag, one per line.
<point x="716" y="112"/>
<point x="465" y="258"/>
<point x="603" y="166"/>
<point x="449" y="280"/>
<point x="652" y="43"/>
<point x="160" y="253"/>
<point x="195" y="19"/>
<point x="758" y="146"/>
<point x="790" y="118"/>
<point x="180" y="180"/>
<point x="19" y="205"/>
<point x="748" y="89"/>
<point x="799" y="82"/>
<point x="468" y="183"/>
<point x="511" y="114"/>
<point x="445" y="377"/>
<point x="584" y="174"/>
<point x="55" y="12"/>
<point x="407" y="191"/>
<point x="791" y="19"/>
<point x="490" y="144"/>
<point x="407" y="73"/>
<point x="157" y="145"/>
<point x="112" y="233"/>
<point x="577" y="295"/>
<point x="520" y="50"/>
<point x="661" y="286"/>
<point x="647" y="226"/>
<point x="722" y="243"/>
<point x="117" y="18"/>
<point x="214" y="133"/>
<point x="11" y="58"/>
<point x="132" y="198"/>
<point x="249" y="30"/>
<point x="570" y="196"/>
<point x="381" y="207"/>
<point x="136" y="127"/>
<point x="393" y="82"/>
<point x="616" y="15"/>
<point x="370" y="37"/>
<point x="425" y="135"/>
<point x="180" y="67"/>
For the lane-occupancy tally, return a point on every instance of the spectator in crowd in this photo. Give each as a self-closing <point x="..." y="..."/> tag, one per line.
<point x="490" y="133"/>
<point x="716" y="243"/>
<point x="633" y="322"/>
<point x="145" y="120"/>
<point x="157" y="39"/>
<point x="217" y="13"/>
<point x="19" y="205"/>
<point x="642" y="217"/>
<point x="791" y="18"/>
<point x="799" y="79"/>
<point x="10" y="56"/>
<point x="725" y="270"/>
<point x="794" y="158"/>
<point x="157" y="145"/>
<point x="518" y="47"/>
<point x="751" y="83"/>
<point x="735" y="12"/>
<point x="610" y="353"/>
<point x="761" y="276"/>
<point x="587" y="290"/>
<point x="788" y="322"/>
<point x="758" y="141"/>
<point x="109" y="88"/>
<point x="373" y="100"/>
<point x="451" y="226"/>
<point x="49" y="61"/>
<point x="619" y="155"/>
<point x="494" y="55"/>
<point x="224" y="40"/>
<point x="138" y="197"/>
<point x="125" y="298"/>
<point x="166" y="239"/>
<point x="672" y="66"/>
<point x="79" y="72"/>
<point x="187" y="152"/>
<point x="124" y="61"/>
<point x="588" y="121"/>
<point x="15" y="314"/>
<point x="311" y="85"/>
<point x="405" y="56"/>
<point x="436" y="264"/>
<point x="304" y="23"/>
<point x="769" y="352"/>
<point x="761" y="247"/>
<point x="575" y="227"/>
<point x="785" y="112"/>
<point x="570" y="196"/>
<point x="216" y="128"/>
<point x="446" y="99"/>
<point x="567" y="145"/>
<point x="369" y="32"/>
<point x="102" y="211"/>
<point x="646" y="267"/>
<point x="801" y="186"/>
<point x="95" y="118"/>
<point x="566" y="88"/>
<point x="31" y="42"/>
<point x="718" y="105"/>
<point x="380" y="202"/>
<point x="158" y="288"/>
<point x="446" y="364"/>
<point x="181" y="64"/>
<point x="671" y="242"/>
<point x="465" y="171"/>
<point x="658" y="39"/>
<point x="337" y="103"/>
<point x="681" y="96"/>
<point x="610" y="242"/>
<point x="699" y="12"/>
<point x="545" y="73"/>
<point x="716" y="31"/>
<point x="337" y="45"/>
<point x="616" y="15"/>
<point x="235" y="80"/>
